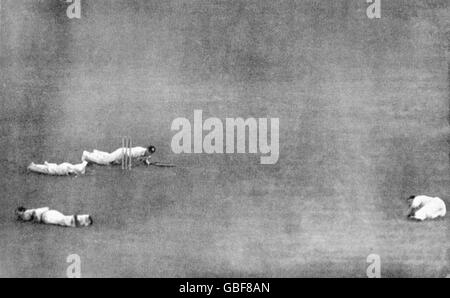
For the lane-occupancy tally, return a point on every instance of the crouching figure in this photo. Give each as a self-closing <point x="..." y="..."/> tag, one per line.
<point x="424" y="207"/>
<point x="115" y="157"/>
<point x="53" y="217"/>
<point x="54" y="169"/>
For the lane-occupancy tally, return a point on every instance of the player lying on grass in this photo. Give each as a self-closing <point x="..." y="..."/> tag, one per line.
<point x="54" y="169"/>
<point x="424" y="207"/>
<point x="53" y="217"/>
<point x="115" y="157"/>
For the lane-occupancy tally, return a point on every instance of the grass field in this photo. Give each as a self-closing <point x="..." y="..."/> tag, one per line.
<point x="363" y="107"/>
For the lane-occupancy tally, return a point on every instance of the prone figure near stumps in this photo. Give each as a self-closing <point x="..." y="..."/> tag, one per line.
<point x="116" y="157"/>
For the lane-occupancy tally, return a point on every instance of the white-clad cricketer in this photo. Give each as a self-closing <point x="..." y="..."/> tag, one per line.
<point x="52" y="217"/>
<point x="115" y="157"/>
<point x="425" y="207"/>
<point x="54" y="169"/>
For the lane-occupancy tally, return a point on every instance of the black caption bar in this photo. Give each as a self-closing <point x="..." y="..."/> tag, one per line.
<point x="205" y="287"/>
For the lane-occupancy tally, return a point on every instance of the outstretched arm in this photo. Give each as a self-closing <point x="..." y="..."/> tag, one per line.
<point x="413" y="209"/>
